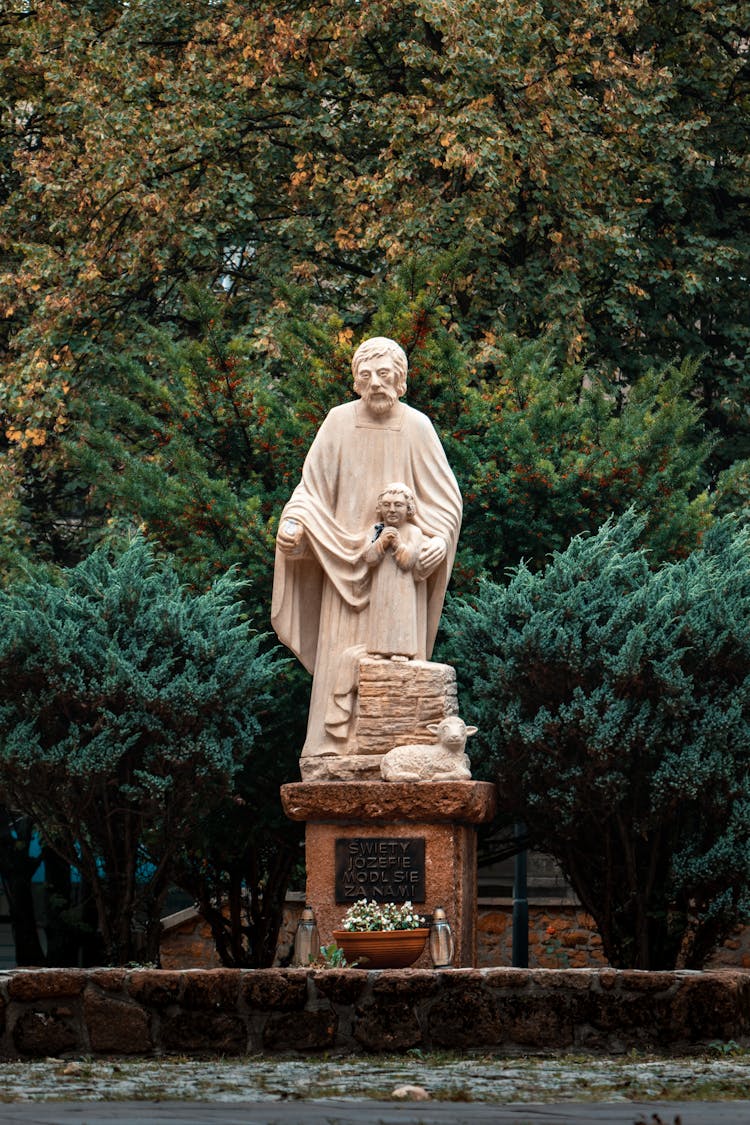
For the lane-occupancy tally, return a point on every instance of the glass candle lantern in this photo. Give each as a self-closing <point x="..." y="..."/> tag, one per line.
<point x="441" y="940"/>
<point x="306" y="939"/>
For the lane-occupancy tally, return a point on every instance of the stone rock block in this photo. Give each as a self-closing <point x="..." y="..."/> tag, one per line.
<point x="188" y="945"/>
<point x="110" y="980"/>
<point x="42" y="1033"/>
<point x="406" y="984"/>
<point x="640" y="980"/>
<point x="637" y="1019"/>
<point x="387" y="1025"/>
<point x="335" y="767"/>
<point x="507" y="978"/>
<point x="275" y="989"/>
<point x="539" y="1021"/>
<point x="210" y="988"/>
<point x="574" y="938"/>
<point x="466" y="1018"/>
<point x="494" y="922"/>
<point x="340" y="986"/>
<point x="154" y="987"/>
<point x="578" y="959"/>
<point x="115" y="1026"/>
<point x="709" y="1006"/>
<point x="546" y="979"/>
<point x="301" y="1031"/>
<point x="471" y="802"/>
<point x="39" y="984"/>
<point x="397" y="701"/>
<point x="204" y="1033"/>
<point x="607" y="978"/>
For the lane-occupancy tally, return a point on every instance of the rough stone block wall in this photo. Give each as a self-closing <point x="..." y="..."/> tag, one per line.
<point x="561" y="936"/>
<point x="397" y="701"/>
<point x="189" y="945"/>
<point x="734" y="953"/>
<point x="62" y="1012"/>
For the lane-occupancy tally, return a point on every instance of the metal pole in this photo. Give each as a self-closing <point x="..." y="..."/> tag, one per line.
<point x="520" y="904"/>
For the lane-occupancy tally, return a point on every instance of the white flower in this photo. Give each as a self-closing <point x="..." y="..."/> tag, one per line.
<point x="364" y="916"/>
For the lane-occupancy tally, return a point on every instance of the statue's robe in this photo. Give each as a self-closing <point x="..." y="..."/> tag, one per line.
<point x="321" y="594"/>
<point x="392" y="619"/>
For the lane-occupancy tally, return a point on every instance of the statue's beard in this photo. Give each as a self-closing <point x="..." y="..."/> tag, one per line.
<point x="382" y="401"/>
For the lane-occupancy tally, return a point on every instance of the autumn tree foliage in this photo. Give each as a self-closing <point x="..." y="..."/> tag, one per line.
<point x="588" y="158"/>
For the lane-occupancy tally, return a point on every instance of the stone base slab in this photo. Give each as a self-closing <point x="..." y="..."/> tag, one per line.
<point x="462" y="802"/>
<point x="341" y="767"/>
<point x="241" y="1012"/>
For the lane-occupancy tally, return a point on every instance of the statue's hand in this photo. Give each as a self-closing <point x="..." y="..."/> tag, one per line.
<point x="432" y="554"/>
<point x="289" y="536"/>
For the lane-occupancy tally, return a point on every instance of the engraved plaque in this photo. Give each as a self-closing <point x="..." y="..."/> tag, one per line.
<point x="380" y="868"/>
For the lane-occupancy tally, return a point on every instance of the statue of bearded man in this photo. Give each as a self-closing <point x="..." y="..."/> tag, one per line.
<point x="321" y="579"/>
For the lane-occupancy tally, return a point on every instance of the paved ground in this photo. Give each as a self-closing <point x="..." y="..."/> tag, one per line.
<point x="533" y="1090"/>
<point x="330" y="1112"/>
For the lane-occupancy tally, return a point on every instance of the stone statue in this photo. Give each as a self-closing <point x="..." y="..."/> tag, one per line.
<point x="393" y="556"/>
<point x="322" y="580"/>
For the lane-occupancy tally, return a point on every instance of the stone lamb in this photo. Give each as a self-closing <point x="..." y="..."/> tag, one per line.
<point x="445" y="760"/>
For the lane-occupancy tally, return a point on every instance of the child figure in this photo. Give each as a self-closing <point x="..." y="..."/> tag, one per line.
<point x="392" y="556"/>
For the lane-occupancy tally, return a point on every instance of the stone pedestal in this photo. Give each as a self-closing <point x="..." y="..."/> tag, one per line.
<point x="381" y="825"/>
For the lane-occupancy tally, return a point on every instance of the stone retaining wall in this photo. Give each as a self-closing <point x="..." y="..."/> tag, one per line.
<point x="56" y="1012"/>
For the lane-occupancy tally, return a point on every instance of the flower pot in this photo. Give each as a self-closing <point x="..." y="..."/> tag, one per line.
<point x="381" y="949"/>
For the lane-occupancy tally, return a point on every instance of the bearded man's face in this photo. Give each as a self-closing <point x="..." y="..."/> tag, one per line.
<point x="376" y="382"/>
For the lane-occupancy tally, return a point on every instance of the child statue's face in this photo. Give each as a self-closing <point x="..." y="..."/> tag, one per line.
<point x="393" y="509"/>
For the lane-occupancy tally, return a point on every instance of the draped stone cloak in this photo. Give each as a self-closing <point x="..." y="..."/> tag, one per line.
<point x="321" y="594"/>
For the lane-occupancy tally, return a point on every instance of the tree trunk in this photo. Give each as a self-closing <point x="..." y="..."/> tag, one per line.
<point x="23" y="918"/>
<point x="17" y="870"/>
<point x="63" y="932"/>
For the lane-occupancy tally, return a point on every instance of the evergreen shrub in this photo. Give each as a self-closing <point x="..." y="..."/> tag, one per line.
<point x="613" y="702"/>
<point x="127" y="706"/>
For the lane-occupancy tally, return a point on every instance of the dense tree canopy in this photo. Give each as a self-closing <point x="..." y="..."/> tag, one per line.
<point x="204" y="449"/>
